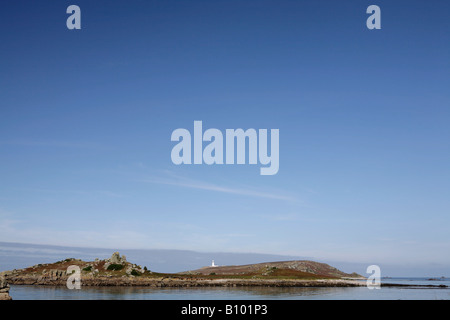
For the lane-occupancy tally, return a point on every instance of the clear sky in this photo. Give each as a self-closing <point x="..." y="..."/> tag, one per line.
<point x="364" y="117"/>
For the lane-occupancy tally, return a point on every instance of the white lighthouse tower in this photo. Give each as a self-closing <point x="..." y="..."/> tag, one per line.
<point x="213" y="264"/>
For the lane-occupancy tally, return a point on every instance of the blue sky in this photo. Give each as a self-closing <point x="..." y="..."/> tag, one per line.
<point x="86" y="118"/>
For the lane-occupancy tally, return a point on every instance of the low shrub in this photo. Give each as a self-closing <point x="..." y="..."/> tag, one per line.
<point x="115" y="267"/>
<point x="135" y="273"/>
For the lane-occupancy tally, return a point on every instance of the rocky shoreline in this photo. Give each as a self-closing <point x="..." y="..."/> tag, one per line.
<point x="61" y="280"/>
<point x="179" y="282"/>
<point x="4" y="289"/>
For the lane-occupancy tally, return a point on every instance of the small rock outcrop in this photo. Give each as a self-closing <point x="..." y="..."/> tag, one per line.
<point x="117" y="259"/>
<point x="4" y="289"/>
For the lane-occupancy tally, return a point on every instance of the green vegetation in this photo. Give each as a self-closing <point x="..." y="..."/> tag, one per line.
<point x="135" y="273"/>
<point x="115" y="267"/>
<point x="88" y="268"/>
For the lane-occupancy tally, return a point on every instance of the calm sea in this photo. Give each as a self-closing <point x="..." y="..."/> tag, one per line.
<point x="247" y="293"/>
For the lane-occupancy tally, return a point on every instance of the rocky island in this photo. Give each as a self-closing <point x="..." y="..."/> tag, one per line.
<point x="117" y="271"/>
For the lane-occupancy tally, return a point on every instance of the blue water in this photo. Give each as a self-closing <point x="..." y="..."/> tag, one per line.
<point x="245" y="293"/>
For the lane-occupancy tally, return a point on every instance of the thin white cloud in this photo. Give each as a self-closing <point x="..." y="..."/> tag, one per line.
<point x="283" y="217"/>
<point x="194" y="184"/>
<point x="105" y="193"/>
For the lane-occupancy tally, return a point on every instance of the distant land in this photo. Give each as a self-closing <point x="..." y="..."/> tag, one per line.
<point x="118" y="271"/>
<point x="287" y="269"/>
<point x="22" y="255"/>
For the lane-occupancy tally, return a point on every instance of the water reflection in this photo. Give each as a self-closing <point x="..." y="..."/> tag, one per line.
<point x="222" y="293"/>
